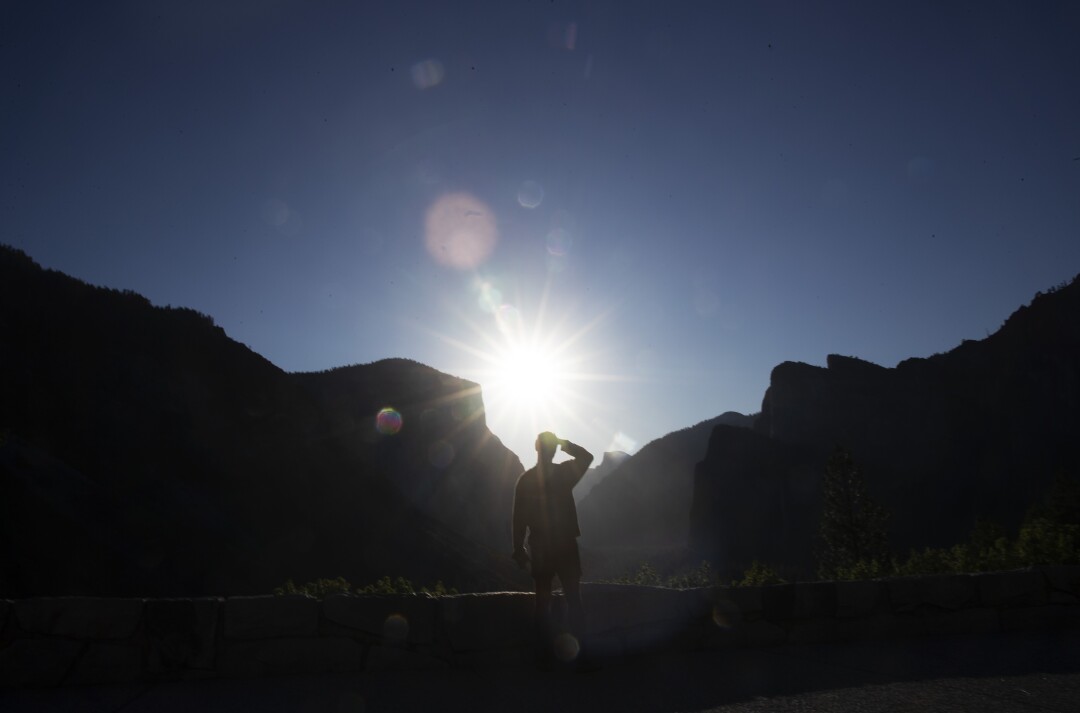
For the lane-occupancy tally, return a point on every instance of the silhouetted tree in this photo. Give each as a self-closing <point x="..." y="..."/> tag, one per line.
<point x="854" y="541"/>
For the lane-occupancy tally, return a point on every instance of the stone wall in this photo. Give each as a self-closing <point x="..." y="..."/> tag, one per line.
<point x="82" y="640"/>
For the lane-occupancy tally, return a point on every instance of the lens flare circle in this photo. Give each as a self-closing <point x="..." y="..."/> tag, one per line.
<point x="460" y="231"/>
<point x="388" y="422"/>
<point x="396" y="629"/>
<point x="490" y="299"/>
<point x="559" y="242"/>
<point x="508" y="320"/>
<point x="427" y="73"/>
<point x="530" y="195"/>
<point x="566" y="647"/>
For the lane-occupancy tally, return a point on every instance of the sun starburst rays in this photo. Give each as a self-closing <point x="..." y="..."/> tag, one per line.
<point x="536" y="373"/>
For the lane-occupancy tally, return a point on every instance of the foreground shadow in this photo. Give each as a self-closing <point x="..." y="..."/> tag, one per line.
<point x="991" y="672"/>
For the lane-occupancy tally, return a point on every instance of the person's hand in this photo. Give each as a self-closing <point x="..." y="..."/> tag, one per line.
<point x="521" y="557"/>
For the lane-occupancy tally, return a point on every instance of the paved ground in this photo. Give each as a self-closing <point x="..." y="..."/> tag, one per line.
<point x="1015" y="672"/>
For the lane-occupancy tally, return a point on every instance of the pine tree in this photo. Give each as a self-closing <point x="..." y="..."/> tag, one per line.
<point x="853" y="526"/>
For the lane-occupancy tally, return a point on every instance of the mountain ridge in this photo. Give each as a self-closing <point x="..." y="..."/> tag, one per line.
<point x="221" y="472"/>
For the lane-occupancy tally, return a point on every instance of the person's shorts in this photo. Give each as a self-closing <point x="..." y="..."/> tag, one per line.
<point x="562" y="560"/>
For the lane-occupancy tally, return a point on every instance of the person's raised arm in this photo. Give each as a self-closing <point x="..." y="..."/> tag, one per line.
<point x="582" y="460"/>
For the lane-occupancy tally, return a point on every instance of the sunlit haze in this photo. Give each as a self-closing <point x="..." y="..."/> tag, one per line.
<point x="617" y="217"/>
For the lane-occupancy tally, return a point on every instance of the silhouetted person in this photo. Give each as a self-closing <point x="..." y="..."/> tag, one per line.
<point x="544" y="506"/>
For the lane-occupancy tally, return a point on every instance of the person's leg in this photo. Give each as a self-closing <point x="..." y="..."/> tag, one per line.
<point x="542" y="619"/>
<point x="575" y="612"/>
<point x="570" y="576"/>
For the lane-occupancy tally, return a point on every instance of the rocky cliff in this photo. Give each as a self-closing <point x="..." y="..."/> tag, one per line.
<point x="975" y="432"/>
<point x="609" y="462"/>
<point x="143" y="452"/>
<point x="641" y="511"/>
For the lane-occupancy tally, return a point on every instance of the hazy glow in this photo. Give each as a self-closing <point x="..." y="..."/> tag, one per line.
<point x="460" y="231"/>
<point x="622" y="442"/>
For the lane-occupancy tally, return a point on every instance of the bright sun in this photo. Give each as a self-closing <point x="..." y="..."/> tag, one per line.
<point x="530" y="378"/>
<point x="534" y="377"/>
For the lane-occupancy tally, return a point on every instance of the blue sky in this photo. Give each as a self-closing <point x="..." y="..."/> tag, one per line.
<point x="664" y="200"/>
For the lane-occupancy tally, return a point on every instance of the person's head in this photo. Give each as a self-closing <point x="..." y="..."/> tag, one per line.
<point x="546" y="445"/>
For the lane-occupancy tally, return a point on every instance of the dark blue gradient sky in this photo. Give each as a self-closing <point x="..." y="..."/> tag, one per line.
<point x="721" y="186"/>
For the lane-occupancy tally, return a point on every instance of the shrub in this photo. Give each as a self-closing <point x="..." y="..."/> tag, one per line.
<point x="701" y="576"/>
<point x="759" y="575"/>
<point x="386" y="586"/>
<point x="320" y="588"/>
<point x="646" y="575"/>
<point x="1042" y="541"/>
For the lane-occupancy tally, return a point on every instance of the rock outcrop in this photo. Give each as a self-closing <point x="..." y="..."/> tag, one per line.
<point x="610" y="461"/>
<point x="975" y="432"/>
<point x="641" y="511"/>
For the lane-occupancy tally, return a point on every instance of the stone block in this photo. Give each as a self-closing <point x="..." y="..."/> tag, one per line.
<point x="815" y="600"/>
<point x="1063" y="578"/>
<point x="108" y="662"/>
<point x="79" y="617"/>
<point x="1056" y="597"/>
<point x="859" y="598"/>
<point x="272" y="657"/>
<point x="764" y="633"/>
<point x="37" y="662"/>
<point x="978" y="620"/>
<point x="396" y="658"/>
<point x="608" y="645"/>
<point x="717" y="637"/>
<point x="813" y="631"/>
<point x="657" y="636"/>
<point x="778" y="602"/>
<point x="271" y="616"/>
<point x="479" y="622"/>
<point x="1045" y="618"/>
<point x="903" y="593"/>
<point x="701" y="601"/>
<point x="394" y="619"/>
<point x="747" y="599"/>
<point x="1024" y="586"/>
<point x="181" y="634"/>
<point x="874" y="627"/>
<point x="499" y="658"/>
<point x="609" y="607"/>
<point x="948" y="591"/>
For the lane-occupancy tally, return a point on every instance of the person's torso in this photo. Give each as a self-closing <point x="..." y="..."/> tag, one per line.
<point x="550" y="499"/>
